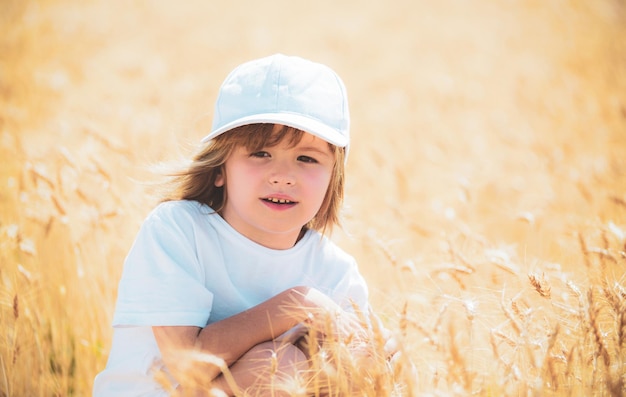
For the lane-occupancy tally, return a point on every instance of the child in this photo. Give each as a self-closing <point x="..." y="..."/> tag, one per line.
<point x="227" y="274"/>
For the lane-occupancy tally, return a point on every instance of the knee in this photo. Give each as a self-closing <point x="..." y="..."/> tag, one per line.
<point x="290" y="359"/>
<point x="279" y="368"/>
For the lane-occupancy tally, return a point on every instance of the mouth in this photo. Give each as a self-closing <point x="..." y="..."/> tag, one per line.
<point x="276" y="200"/>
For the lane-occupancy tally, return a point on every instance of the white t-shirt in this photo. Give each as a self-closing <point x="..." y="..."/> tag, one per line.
<point x="189" y="267"/>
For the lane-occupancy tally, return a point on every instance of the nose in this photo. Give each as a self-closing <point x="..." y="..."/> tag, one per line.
<point x="282" y="175"/>
<point x="282" y="179"/>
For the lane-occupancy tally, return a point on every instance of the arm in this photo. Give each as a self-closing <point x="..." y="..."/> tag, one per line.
<point x="231" y="338"/>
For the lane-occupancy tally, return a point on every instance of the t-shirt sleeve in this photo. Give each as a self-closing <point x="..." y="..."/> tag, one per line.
<point x="352" y="291"/>
<point x="162" y="282"/>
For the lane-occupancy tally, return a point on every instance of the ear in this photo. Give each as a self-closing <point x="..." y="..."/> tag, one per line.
<point x="219" y="180"/>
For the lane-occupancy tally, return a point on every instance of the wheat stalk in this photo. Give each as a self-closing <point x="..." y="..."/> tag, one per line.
<point x="594" y="314"/>
<point x="540" y="285"/>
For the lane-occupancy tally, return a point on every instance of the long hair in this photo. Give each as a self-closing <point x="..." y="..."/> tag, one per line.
<point x="197" y="180"/>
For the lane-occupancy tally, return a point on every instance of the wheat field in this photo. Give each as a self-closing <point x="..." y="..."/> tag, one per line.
<point x="486" y="185"/>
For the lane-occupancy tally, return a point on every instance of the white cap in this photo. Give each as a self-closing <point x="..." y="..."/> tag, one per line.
<point x="284" y="90"/>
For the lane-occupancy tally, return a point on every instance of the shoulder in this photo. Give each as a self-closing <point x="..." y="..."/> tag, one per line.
<point x="177" y="212"/>
<point x="327" y="249"/>
<point x="169" y="209"/>
<point x="184" y="217"/>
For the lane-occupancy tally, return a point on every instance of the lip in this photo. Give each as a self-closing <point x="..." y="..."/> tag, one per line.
<point x="278" y="202"/>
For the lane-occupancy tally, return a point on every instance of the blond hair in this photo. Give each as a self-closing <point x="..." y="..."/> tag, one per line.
<point x="197" y="180"/>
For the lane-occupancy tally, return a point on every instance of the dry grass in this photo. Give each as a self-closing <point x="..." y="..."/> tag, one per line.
<point x="486" y="188"/>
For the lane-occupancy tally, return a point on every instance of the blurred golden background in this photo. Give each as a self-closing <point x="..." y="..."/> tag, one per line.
<point x="486" y="197"/>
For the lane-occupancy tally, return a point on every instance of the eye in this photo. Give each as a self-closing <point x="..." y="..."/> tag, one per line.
<point x="260" y="154"/>
<point x="307" y="159"/>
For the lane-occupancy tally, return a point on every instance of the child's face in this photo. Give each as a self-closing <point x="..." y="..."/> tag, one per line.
<point x="272" y="193"/>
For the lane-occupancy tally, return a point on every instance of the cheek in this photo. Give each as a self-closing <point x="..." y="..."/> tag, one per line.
<point x="241" y="178"/>
<point x="318" y="183"/>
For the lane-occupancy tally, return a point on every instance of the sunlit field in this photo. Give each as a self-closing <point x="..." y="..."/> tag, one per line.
<point x="486" y="195"/>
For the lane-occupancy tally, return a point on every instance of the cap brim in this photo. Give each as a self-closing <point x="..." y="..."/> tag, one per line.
<point x="298" y="121"/>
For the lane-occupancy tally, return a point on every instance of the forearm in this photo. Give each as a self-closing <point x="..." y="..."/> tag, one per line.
<point x="227" y="340"/>
<point x="230" y="338"/>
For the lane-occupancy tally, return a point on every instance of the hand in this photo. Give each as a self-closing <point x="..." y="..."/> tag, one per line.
<point x="327" y="319"/>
